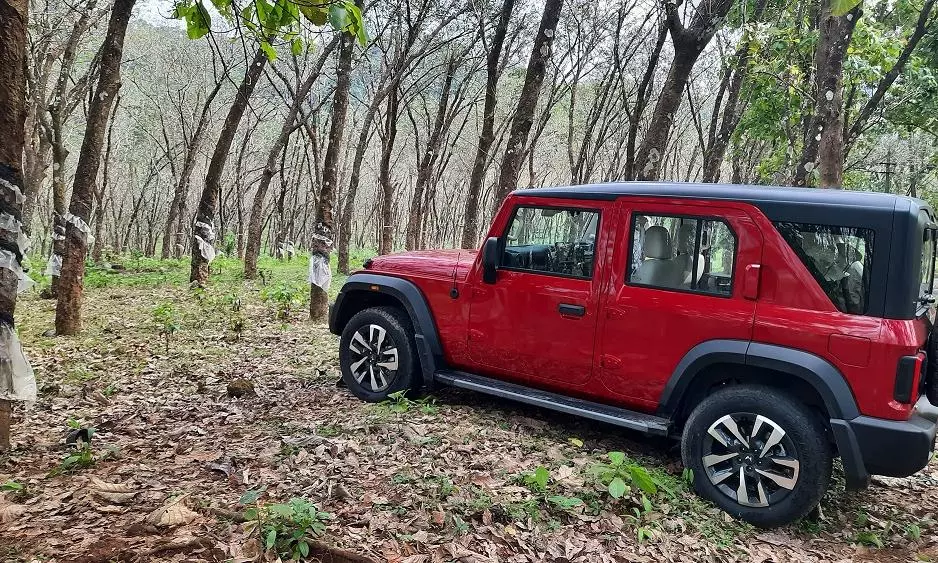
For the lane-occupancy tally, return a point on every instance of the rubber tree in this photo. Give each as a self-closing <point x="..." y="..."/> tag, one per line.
<point x="824" y="137"/>
<point x="77" y="232"/>
<point x="15" y="372"/>
<point x="493" y="70"/>
<point x="689" y="42"/>
<point x="320" y="273"/>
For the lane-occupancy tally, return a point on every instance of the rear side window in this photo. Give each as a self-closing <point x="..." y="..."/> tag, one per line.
<point x="683" y="253"/>
<point x="552" y="240"/>
<point x="839" y="258"/>
<point x="927" y="266"/>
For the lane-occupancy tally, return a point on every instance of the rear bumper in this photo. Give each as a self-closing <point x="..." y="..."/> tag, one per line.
<point x="875" y="446"/>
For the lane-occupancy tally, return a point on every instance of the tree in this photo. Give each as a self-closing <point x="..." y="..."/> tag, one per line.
<point x="493" y="70"/>
<point x="527" y="101"/>
<point x="689" y="42"/>
<point x="15" y="372"/>
<point x="824" y="136"/>
<point x="320" y="273"/>
<point x="77" y="232"/>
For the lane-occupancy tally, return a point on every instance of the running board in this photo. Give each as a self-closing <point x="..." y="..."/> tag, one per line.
<point x="641" y="422"/>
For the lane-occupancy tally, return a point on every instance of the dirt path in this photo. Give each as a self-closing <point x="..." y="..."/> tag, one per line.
<point x="413" y="481"/>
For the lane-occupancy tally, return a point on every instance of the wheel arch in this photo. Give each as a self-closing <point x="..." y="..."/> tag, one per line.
<point x="716" y="362"/>
<point x="362" y="291"/>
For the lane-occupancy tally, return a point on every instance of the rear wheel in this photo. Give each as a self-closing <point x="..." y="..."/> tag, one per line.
<point x="377" y="354"/>
<point x="758" y="454"/>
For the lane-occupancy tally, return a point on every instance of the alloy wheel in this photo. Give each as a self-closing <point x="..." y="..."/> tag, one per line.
<point x="750" y="459"/>
<point x="374" y="356"/>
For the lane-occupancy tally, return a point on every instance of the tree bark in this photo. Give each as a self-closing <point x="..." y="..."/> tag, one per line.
<point x="203" y="234"/>
<point x="824" y="137"/>
<point x="68" y="306"/>
<point x="689" y="43"/>
<point x="13" y="20"/>
<point x="101" y="193"/>
<point x="324" y="228"/>
<point x="386" y="223"/>
<point x="527" y="101"/>
<point x="470" y="230"/>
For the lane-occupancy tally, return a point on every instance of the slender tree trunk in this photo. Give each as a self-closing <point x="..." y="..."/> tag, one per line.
<point x="345" y="219"/>
<point x="689" y="43"/>
<point x="203" y="234"/>
<point x="101" y="192"/>
<point x="386" y="230"/>
<point x="470" y="230"/>
<point x="527" y="102"/>
<point x="324" y="229"/>
<point x="824" y="138"/>
<point x="68" y="306"/>
<point x="13" y="20"/>
<point x="171" y="235"/>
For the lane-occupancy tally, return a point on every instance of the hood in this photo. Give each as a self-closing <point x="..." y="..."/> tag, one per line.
<point x="425" y="263"/>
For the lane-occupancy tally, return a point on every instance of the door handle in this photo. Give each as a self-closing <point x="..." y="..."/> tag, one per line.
<point x="569" y="310"/>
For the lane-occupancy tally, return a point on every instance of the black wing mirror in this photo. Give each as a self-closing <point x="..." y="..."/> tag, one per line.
<point x="490" y="260"/>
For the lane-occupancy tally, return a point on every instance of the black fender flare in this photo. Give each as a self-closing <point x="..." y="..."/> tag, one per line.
<point x="817" y="372"/>
<point x="414" y="303"/>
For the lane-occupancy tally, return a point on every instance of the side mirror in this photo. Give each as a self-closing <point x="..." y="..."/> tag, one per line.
<point x="751" y="281"/>
<point x="489" y="259"/>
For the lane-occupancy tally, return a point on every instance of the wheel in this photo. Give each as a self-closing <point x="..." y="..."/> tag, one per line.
<point x="758" y="454"/>
<point x="377" y="354"/>
<point x="931" y="368"/>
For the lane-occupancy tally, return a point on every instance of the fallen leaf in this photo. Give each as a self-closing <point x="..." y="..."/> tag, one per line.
<point x="11" y="512"/>
<point x="173" y="514"/>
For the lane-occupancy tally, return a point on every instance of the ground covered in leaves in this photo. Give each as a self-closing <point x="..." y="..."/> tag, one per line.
<point x="212" y="409"/>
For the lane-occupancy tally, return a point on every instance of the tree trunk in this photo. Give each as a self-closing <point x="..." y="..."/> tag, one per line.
<point x="13" y="19"/>
<point x="324" y="229"/>
<point x="689" y="43"/>
<point x="824" y="138"/>
<point x="345" y="219"/>
<point x="470" y="230"/>
<point x="527" y="102"/>
<point x="172" y="237"/>
<point x="203" y="234"/>
<point x="386" y="222"/>
<point x="99" y="194"/>
<point x="68" y="306"/>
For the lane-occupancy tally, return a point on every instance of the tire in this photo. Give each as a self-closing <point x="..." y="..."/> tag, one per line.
<point x="931" y="368"/>
<point x="370" y="375"/>
<point x="782" y="483"/>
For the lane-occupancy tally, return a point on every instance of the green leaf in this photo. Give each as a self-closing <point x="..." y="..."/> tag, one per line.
<point x="617" y="458"/>
<point x="617" y="488"/>
<point x="576" y="442"/>
<point x="841" y="7"/>
<point x="198" y="21"/>
<point x="269" y="51"/>
<point x="338" y="17"/>
<point x="641" y="478"/>
<point x="296" y="46"/>
<point x="315" y="14"/>
<point x="541" y="476"/>
<point x="271" y="539"/>
<point x="304" y="548"/>
<point x="11" y="486"/>
<point x="282" y="510"/>
<point x="251" y="496"/>
<point x="565" y="503"/>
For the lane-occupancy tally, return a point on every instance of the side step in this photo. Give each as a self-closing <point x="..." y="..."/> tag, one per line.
<point x="641" y="422"/>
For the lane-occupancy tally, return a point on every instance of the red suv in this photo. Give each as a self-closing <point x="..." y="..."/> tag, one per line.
<point x="770" y="329"/>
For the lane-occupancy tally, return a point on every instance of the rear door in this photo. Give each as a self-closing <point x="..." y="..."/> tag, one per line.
<point x="677" y="282"/>
<point x="537" y="322"/>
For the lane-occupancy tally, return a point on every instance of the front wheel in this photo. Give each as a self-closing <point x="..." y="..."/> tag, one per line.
<point x="377" y="354"/>
<point x="758" y="454"/>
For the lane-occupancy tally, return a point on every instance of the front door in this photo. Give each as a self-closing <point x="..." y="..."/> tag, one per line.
<point x="537" y="322"/>
<point x="678" y="280"/>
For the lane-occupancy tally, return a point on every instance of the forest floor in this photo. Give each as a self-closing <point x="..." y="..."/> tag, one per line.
<point x="175" y="462"/>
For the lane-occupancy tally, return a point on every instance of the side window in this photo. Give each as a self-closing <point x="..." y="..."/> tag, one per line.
<point x="839" y="258"/>
<point x="552" y="240"/>
<point x="684" y="253"/>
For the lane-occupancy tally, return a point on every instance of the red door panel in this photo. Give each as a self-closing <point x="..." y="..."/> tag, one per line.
<point x="645" y="331"/>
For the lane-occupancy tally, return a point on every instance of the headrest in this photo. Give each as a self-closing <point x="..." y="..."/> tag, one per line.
<point x="657" y="243"/>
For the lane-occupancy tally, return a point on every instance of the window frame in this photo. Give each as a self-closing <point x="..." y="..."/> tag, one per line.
<point x="631" y="248"/>
<point x="503" y="239"/>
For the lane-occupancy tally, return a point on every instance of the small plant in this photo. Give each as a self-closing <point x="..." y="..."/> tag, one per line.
<point x="14" y="490"/>
<point x="288" y="529"/>
<point x="867" y="538"/>
<point x="286" y="298"/>
<point x="111" y="389"/>
<point x="619" y="473"/>
<point x="167" y="319"/>
<point x="536" y="480"/>
<point x="398" y="403"/>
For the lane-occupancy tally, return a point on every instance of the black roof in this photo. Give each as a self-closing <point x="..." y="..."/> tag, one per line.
<point x="760" y="196"/>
